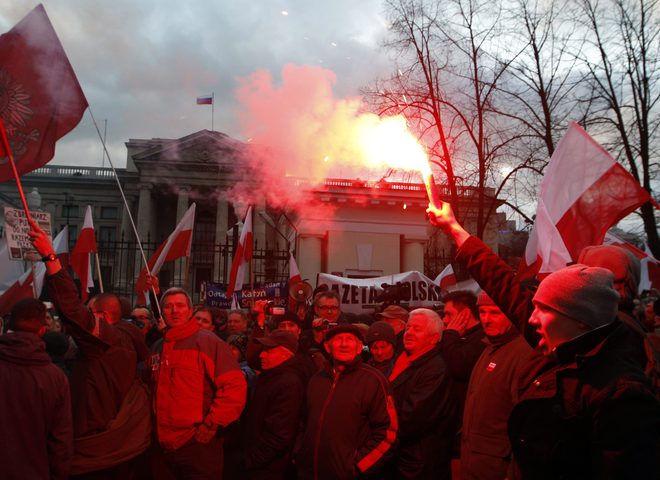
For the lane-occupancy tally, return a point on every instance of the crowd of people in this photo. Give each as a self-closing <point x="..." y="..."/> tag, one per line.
<point x="558" y="381"/>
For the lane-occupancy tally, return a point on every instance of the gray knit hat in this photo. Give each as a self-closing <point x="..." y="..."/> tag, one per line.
<point x="585" y="294"/>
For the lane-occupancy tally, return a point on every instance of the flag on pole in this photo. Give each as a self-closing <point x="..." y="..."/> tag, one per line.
<point x="26" y="284"/>
<point x="446" y="278"/>
<point x="205" y="100"/>
<point x="650" y="268"/>
<point x="177" y="245"/>
<point x="242" y="256"/>
<point x="583" y="193"/>
<point x="42" y="99"/>
<point x="10" y="270"/>
<point x="294" y="273"/>
<point x="81" y="256"/>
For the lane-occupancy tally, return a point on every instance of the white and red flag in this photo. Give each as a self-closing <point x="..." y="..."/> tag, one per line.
<point x="177" y="245"/>
<point x="25" y="286"/>
<point x="242" y="257"/>
<point x="294" y="272"/>
<point x="41" y="98"/>
<point x="650" y="268"/>
<point x="583" y="193"/>
<point x="446" y="278"/>
<point x="81" y="255"/>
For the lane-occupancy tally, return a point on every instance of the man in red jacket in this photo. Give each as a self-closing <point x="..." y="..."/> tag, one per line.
<point x="198" y="389"/>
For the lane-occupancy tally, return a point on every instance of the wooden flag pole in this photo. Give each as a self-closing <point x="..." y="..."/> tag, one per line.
<point x="5" y="144"/>
<point x="98" y="271"/>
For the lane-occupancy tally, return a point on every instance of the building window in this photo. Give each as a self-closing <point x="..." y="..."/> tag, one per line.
<point x="108" y="234"/>
<point x="70" y="211"/>
<point x="109" y="213"/>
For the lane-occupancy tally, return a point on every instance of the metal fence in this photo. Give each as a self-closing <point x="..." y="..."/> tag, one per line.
<point x="120" y="264"/>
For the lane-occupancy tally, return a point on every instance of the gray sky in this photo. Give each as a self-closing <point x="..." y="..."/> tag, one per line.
<point x="142" y="63"/>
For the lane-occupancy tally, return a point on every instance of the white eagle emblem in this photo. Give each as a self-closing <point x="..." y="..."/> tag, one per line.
<point x="16" y="112"/>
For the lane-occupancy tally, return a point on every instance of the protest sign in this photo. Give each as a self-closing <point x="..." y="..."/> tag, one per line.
<point x="213" y="294"/>
<point x="16" y="232"/>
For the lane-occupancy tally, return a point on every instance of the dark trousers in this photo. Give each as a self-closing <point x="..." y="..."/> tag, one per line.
<point x="193" y="461"/>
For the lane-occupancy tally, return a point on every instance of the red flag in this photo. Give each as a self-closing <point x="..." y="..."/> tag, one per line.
<point x="446" y="278"/>
<point x="41" y="98"/>
<point x="81" y="255"/>
<point x="242" y="256"/>
<point x="583" y="193"/>
<point x="176" y="246"/>
<point x="20" y="289"/>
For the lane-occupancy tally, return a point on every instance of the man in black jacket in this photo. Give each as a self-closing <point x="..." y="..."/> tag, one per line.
<point x="35" y="419"/>
<point x="351" y="422"/>
<point x="425" y="404"/>
<point x="585" y="408"/>
<point x="273" y="416"/>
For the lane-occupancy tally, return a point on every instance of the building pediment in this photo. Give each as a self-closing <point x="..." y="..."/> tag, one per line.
<point x="204" y="150"/>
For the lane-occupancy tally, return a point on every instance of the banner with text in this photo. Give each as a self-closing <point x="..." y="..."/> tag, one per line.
<point x="213" y="294"/>
<point x="414" y="289"/>
<point x="16" y="232"/>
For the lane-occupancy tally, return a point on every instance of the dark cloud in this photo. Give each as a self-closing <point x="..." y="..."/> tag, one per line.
<point x="143" y="63"/>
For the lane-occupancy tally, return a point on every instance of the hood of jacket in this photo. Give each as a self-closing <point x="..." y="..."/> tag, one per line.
<point x="23" y="348"/>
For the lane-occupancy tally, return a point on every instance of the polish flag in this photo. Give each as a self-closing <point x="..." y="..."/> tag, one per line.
<point x="176" y="246"/>
<point x="294" y="272"/>
<point x="446" y="278"/>
<point x="10" y="270"/>
<point x="650" y="268"/>
<point x="242" y="257"/>
<point x="26" y="284"/>
<point x="81" y="256"/>
<point x="583" y="193"/>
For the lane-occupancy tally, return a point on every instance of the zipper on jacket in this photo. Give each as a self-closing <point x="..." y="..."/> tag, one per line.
<point x="317" y="442"/>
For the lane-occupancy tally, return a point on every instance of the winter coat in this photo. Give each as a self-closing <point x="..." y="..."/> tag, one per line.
<point x="351" y="423"/>
<point x="586" y="411"/>
<point x="106" y="367"/>
<point x="195" y="379"/>
<point x="36" y="439"/>
<point x="427" y="411"/>
<point x="460" y="353"/>
<point x="273" y="419"/>
<point x="493" y="390"/>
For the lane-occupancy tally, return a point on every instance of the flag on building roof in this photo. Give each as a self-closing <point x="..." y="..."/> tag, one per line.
<point x="177" y="245"/>
<point x="81" y="255"/>
<point x="583" y="193"/>
<point x="242" y="257"/>
<point x="205" y="100"/>
<point x="42" y="99"/>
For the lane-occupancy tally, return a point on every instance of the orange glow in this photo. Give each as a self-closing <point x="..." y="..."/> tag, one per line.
<point x="388" y="142"/>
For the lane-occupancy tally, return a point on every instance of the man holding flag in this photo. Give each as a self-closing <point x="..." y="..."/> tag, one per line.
<point x="582" y="350"/>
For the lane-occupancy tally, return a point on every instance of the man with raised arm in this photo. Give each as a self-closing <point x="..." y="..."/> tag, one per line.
<point x="585" y="409"/>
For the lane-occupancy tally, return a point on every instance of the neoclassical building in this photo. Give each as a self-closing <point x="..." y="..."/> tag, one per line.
<point x="377" y="228"/>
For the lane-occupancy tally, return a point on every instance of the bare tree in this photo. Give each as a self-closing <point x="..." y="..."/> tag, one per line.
<point x="445" y="86"/>
<point x="623" y="68"/>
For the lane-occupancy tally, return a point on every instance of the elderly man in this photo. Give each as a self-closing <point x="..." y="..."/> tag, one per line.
<point x="585" y="409"/>
<point x="351" y="423"/>
<point x="492" y="392"/>
<point x="422" y="394"/>
<point x="274" y="413"/>
<point x="35" y="418"/>
<point x="198" y="390"/>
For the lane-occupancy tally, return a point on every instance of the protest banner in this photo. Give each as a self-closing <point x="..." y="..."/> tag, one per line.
<point x="213" y="294"/>
<point x="16" y="232"/>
